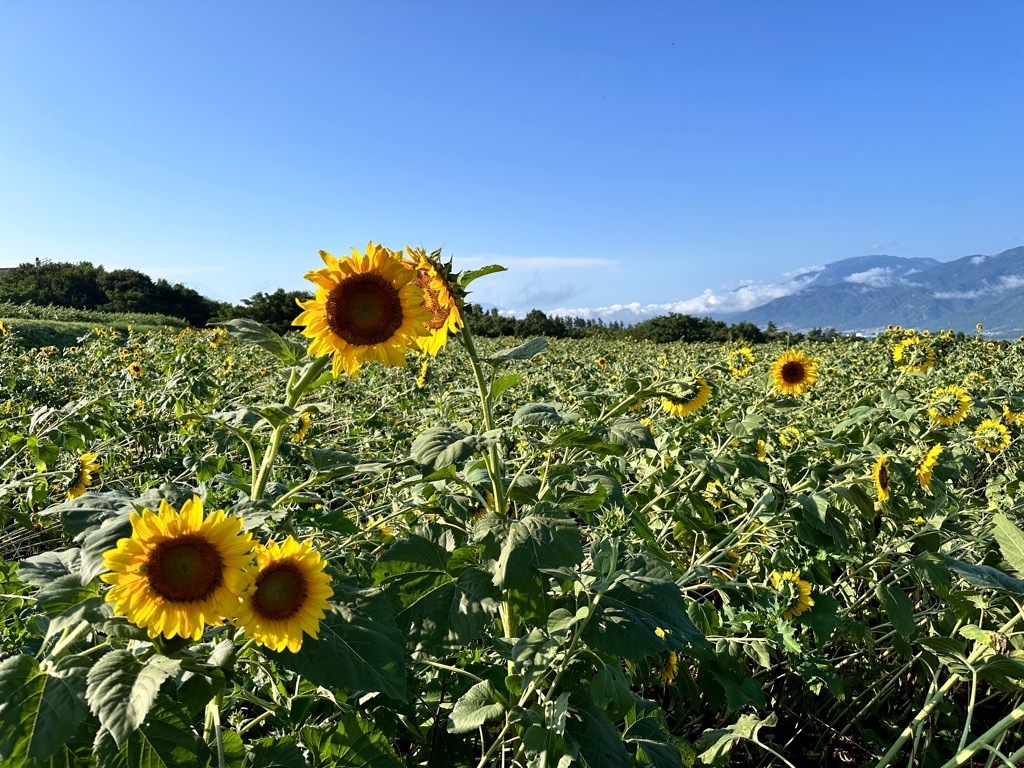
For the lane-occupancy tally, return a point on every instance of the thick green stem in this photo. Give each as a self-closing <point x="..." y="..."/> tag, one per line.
<point x="495" y="466"/>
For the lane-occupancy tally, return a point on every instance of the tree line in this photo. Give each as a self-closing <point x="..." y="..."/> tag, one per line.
<point x="82" y="285"/>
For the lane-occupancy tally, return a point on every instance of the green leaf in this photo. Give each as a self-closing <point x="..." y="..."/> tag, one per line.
<point x="632" y="611"/>
<point x="38" y="711"/>
<point x="99" y="541"/>
<point x="1011" y="541"/>
<point x="438" y="447"/>
<point x="717" y="744"/>
<point x="277" y="753"/>
<point x="542" y="415"/>
<point x="355" y="742"/>
<point x="40" y="570"/>
<point x="467" y="277"/>
<point x="502" y="384"/>
<point x="610" y="691"/>
<point x="63" y="593"/>
<point x="276" y="414"/>
<point x="629" y="434"/>
<point x="535" y="542"/>
<point x="82" y="515"/>
<point x="600" y="743"/>
<point x="525" y="351"/>
<point x="985" y="576"/>
<point x="442" y="607"/>
<point x="475" y="707"/>
<point x="122" y="690"/>
<point x="358" y="646"/>
<point x="323" y="460"/>
<point x="533" y="654"/>
<point x="288" y="351"/>
<point x="898" y="608"/>
<point x="164" y="740"/>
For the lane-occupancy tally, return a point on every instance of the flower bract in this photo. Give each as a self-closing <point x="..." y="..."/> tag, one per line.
<point x="86" y="474"/>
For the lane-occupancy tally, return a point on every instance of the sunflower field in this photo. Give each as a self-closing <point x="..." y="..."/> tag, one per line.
<point x="385" y="542"/>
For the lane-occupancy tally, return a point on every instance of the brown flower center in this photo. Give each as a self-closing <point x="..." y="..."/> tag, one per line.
<point x="883" y="477"/>
<point x="281" y="591"/>
<point x="794" y="372"/>
<point x="431" y="301"/>
<point x="364" y="309"/>
<point x="185" y="569"/>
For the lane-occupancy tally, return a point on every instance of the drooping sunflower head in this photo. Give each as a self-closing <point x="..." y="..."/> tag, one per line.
<point x="287" y="595"/>
<point x="86" y="474"/>
<point x="789" y="436"/>
<point x="219" y="336"/>
<point x="949" y="405"/>
<point x="913" y="354"/>
<point x="739" y="361"/>
<point x="793" y="372"/>
<point x="301" y="427"/>
<point x="992" y="436"/>
<point x="441" y="298"/>
<point x="928" y="463"/>
<point x="794" y="593"/>
<point x="687" y="396"/>
<point x="880" y="476"/>
<point x="715" y="494"/>
<point x="3" y="329"/>
<point x="367" y="307"/>
<point x="421" y="379"/>
<point x="178" y="571"/>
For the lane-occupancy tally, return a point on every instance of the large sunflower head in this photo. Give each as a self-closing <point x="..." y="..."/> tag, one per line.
<point x="441" y="298"/>
<point x="178" y="571"/>
<point x="367" y="307"/>
<point x="687" y="396"/>
<point x="949" y="405"/>
<point x="287" y="595"/>
<point x="793" y="372"/>
<point x="794" y="593"/>
<point x="992" y="436"/>
<point x="739" y="361"/>
<point x="880" y="476"/>
<point x="86" y="473"/>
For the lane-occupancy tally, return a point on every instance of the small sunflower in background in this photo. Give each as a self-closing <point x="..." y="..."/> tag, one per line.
<point x="219" y="336"/>
<point x="421" y="380"/>
<point x="367" y="307"/>
<point x="928" y="463"/>
<point x="949" y="405"/>
<point x="440" y="298"/>
<point x="3" y="329"/>
<point x="178" y="571"/>
<point x="913" y="355"/>
<point x="793" y="372"/>
<point x="601" y="362"/>
<point x="302" y="426"/>
<point x="86" y="474"/>
<point x="880" y="476"/>
<point x="789" y="436"/>
<point x="992" y="436"/>
<point x="715" y="494"/>
<point x="135" y="369"/>
<point x="739" y="361"/>
<point x="286" y="596"/>
<point x="795" y="593"/>
<point x="687" y="397"/>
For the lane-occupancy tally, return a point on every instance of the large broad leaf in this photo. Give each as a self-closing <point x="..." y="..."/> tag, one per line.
<point x="277" y="753"/>
<point x="475" y="707"/>
<point x="38" y="711"/>
<point x="288" y="351"/>
<point x="524" y="351"/>
<point x="99" y="541"/>
<point x="467" y="277"/>
<point x="446" y="600"/>
<point x="358" y="646"/>
<point x="63" y="593"/>
<point x="647" y="733"/>
<point x="985" y="576"/>
<point x="629" y="434"/>
<point x="535" y="542"/>
<point x="40" y="570"/>
<point x="543" y="415"/>
<point x="439" y="447"/>
<point x="84" y="514"/>
<point x="600" y="743"/>
<point x="122" y="690"/>
<point x="717" y="744"/>
<point x="355" y="742"/>
<point x="898" y="607"/>
<point x="1011" y="541"/>
<point x="164" y="740"/>
<point x="640" y="616"/>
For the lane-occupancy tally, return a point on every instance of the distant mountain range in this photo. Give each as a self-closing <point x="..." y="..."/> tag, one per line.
<point x="866" y="293"/>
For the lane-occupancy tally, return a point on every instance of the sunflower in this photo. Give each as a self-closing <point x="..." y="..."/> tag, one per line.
<point x="421" y="380"/>
<point x="367" y="307"/>
<point x="793" y="373"/>
<point x="440" y="299"/>
<point x="789" y="436"/>
<point x="950" y="405"/>
<point x="3" y="329"/>
<point x="601" y="362"/>
<point x="715" y="494"/>
<point x="739" y="361"/>
<point x="913" y="355"/>
<point x="880" y="475"/>
<point x="286" y="595"/>
<point x="686" y="399"/>
<point x="301" y="428"/>
<point x="924" y="470"/>
<point x="974" y="380"/>
<point x="178" y="571"/>
<point x="670" y="670"/>
<point x="1012" y="416"/>
<point x="219" y="335"/>
<point x="135" y="369"/>
<point x="992" y="436"/>
<point x="795" y="592"/>
<point x="87" y="473"/>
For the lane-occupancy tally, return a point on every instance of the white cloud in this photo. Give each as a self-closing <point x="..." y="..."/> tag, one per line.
<point x="978" y="259"/>
<point x="878" y="277"/>
<point x="1006" y="283"/>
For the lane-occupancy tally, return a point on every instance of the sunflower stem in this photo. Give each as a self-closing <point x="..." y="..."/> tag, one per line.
<point x="293" y="393"/>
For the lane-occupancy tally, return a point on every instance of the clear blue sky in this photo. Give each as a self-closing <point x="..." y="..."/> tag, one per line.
<point x="608" y="152"/>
